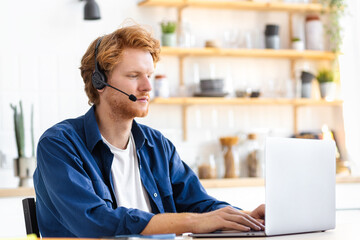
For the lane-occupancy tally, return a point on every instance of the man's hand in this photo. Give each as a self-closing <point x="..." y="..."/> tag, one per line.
<point x="227" y="218"/>
<point x="259" y="214"/>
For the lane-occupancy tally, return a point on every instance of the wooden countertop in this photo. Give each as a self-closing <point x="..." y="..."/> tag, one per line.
<point x="17" y="192"/>
<point x="207" y="183"/>
<point x="258" y="182"/>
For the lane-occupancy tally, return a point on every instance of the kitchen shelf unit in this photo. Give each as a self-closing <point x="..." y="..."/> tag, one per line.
<point x="291" y="55"/>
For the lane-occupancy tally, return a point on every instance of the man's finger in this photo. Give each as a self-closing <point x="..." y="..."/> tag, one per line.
<point x="230" y="225"/>
<point x="246" y="220"/>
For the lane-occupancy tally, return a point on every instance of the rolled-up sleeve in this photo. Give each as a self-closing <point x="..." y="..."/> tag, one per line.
<point x="68" y="203"/>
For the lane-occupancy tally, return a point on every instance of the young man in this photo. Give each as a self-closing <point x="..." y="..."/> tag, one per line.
<point x="103" y="174"/>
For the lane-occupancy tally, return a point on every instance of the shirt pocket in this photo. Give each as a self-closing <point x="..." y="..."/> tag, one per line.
<point x="102" y="190"/>
<point x="166" y="193"/>
<point x="164" y="187"/>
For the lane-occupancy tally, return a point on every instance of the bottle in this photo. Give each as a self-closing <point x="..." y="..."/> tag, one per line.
<point x="253" y="156"/>
<point x="314" y="33"/>
<point x="186" y="37"/>
<point x="161" y="86"/>
<point x="272" y="39"/>
<point x="306" y="84"/>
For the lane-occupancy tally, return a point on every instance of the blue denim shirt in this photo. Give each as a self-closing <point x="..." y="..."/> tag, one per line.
<point x="74" y="187"/>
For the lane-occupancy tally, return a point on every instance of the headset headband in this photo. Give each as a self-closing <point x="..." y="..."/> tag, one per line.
<point x="96" y="52"/>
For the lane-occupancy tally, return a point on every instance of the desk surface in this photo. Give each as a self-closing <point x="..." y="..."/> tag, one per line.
<point x="347" y="227"/>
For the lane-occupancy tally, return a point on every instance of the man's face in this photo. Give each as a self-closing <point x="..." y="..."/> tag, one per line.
<point x="131" y="75"/>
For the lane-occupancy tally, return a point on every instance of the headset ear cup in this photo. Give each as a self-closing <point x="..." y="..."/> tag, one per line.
<point x="97" y="80"/>
<point x="98" y="77"/>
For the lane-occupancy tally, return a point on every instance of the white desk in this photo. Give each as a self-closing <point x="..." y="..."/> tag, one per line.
<point x="347" y="227"/>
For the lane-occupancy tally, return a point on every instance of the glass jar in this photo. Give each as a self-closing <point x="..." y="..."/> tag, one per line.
<point x="230" y="156"/>
<point x="253" y="156"/>
<point x="207" y="168"/>
<point x="161" y="86"/>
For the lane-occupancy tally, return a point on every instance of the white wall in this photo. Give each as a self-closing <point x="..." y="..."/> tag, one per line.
<point x="349" y="68"/>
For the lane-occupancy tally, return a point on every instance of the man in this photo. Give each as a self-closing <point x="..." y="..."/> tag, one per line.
<point x="103" y="174"/>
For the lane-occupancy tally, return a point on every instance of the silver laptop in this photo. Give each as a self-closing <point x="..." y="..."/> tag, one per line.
<point x="299" y="188"/>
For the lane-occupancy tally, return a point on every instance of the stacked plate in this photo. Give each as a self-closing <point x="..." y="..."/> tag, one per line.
<point x="211" y="88"/>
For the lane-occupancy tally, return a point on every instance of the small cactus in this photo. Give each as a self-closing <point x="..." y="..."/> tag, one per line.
<point x="20" y="129"/>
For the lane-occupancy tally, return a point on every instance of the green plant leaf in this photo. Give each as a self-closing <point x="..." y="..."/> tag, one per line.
<point x="333" y="28"/>
<point x="19" y="129"/>
<point x="168" y="27"/>
<point x="325" y="75"/>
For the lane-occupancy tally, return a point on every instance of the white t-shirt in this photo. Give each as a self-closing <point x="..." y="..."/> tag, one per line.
<point x="129" y="190"/>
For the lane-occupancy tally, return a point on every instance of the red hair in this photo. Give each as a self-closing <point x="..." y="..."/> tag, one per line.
<point x="110" y="53"/>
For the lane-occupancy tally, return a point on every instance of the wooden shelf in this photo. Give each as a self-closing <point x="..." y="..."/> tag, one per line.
<point x="259" y="182"/>
<point x="162" y="3"/>
<point x="244" y="101"/>
<point x="250" y="53"/>
<point x="238" y="5"/>
<point x="320" y="102"/>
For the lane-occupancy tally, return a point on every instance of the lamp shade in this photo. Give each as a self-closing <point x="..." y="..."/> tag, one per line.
<point x="91" y="10"/>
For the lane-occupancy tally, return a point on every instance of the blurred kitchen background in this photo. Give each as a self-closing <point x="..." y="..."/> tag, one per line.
<point x="42" y="43"/>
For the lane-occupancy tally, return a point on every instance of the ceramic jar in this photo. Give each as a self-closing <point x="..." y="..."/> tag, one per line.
<point x="314" y="33"/>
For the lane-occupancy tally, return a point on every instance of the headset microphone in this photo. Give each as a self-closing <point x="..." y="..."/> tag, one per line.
<point x="131" y="96"/>
<point x="98" y="77"/>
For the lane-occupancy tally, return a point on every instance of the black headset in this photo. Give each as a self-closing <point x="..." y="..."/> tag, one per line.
<point x="98" y="77"/>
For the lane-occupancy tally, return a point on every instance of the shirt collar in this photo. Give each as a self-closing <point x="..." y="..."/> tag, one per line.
<point x="92" y="131"/>
<point x="139" y="136"/>
<point x="93" y="135"/>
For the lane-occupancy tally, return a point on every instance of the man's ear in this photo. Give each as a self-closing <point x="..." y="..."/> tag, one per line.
<point x="101" y="90"/>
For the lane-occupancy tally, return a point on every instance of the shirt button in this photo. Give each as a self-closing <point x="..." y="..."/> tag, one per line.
<point x="155" y="194"/>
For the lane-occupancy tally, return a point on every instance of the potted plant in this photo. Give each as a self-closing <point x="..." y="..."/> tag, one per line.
<point x="24" y="166"/>
<point x="326" y="78"/>
<point x="168" y="37"/>
<point x="297" y="44"/>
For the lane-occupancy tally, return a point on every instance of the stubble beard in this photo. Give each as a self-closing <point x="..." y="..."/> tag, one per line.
<point x="123" y="108"/>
